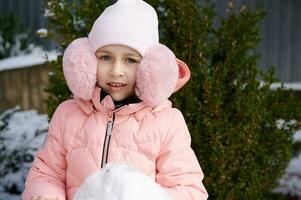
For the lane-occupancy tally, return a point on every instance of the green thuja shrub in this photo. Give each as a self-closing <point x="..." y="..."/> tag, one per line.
<point x="241" y="130"/>
<point x="15" y="38"/>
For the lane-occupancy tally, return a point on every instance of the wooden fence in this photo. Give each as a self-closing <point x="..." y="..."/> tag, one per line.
<point x="24" y="87"/>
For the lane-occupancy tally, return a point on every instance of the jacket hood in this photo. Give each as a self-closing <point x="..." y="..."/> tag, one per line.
<point x="184" y="75"/>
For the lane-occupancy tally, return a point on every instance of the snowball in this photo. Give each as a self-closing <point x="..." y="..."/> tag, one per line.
<point x="120" y="182"/>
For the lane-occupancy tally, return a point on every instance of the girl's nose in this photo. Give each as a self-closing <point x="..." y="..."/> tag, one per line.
<point x="117" y="69"/>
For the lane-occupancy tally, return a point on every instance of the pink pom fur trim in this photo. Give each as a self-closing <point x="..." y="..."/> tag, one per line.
<point x="80" y="68"/>
<point x="157" y="75"/>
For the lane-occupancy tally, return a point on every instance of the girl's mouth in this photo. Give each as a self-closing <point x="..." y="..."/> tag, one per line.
<point x="114" y="84"/>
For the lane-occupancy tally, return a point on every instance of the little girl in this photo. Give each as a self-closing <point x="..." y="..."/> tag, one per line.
<point x="121" y="77"/>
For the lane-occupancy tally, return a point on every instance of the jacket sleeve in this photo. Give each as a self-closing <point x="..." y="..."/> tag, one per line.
<point x="47" y="174"/>
<point x="178" y="170"/>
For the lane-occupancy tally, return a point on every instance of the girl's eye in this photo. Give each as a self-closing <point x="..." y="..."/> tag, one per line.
<point x="105" y="58"/>
<point x="131" y="60"/>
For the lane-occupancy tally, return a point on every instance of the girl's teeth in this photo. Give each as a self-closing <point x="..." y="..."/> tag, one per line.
<point x="116" y="84"/>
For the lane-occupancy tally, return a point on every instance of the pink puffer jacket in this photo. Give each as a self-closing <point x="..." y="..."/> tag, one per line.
<point x="74" y="147"/>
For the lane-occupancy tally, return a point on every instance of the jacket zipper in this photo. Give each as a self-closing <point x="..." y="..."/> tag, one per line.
<point x="106" y="145"/>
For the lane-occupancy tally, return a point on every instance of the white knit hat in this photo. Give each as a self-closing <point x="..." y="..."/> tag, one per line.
<point x="132" y="23"/>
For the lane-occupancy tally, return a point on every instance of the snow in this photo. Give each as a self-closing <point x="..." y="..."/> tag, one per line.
<point x="23" y="133"/>
<point x="285" y="125"/>
<point x="42" y="32"/>
<point x="286" y="86"/>
<point x="290" y="182"/>
<point x="48" y="13"/>
<point x="297" y="137"/>
<point x="16" y="47"/>
<point x="120" y="182"/>
<point x="294" y="86"/>
<point x="22" y="129"/>
<point x="294" y="167"/>
<point x="37" y="57"/>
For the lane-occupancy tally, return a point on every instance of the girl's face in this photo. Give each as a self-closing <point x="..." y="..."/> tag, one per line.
<point x="116" y="70"/>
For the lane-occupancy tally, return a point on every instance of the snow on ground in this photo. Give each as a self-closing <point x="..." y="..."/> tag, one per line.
<point x="22" y="129"/>
<point x="120" y="182"/>
<point x="290" y="182"/>
<point x="23" y="134"/>
<point x="36" y="57"/>
<point x="297" y="137"/>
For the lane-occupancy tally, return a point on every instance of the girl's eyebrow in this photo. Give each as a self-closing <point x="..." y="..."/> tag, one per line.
<point x="103" y="51"/>
<point x="131" y="54"/>
<point x="127" y="54"/>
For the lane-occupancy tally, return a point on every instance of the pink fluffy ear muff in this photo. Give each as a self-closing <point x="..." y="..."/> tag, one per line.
<point x="80" y="68"/>
<point x="157" y="75"/>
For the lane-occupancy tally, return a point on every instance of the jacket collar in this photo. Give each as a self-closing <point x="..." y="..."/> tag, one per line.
<point x="105" y="103"/>
<point x="118" y="104"/>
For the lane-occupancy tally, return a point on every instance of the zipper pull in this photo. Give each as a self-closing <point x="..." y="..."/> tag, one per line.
<point x="109" y="128"/>
<point x="110" y="124"/>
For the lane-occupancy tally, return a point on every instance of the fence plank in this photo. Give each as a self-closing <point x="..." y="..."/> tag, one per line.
<point x="285" y="41"/>
<point x="296" y="42"/>
<point x="24" y="87"/>
<point x="272" y="36"/>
